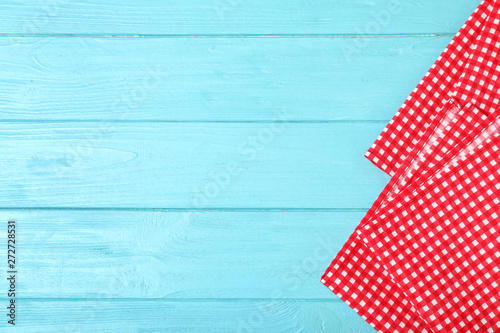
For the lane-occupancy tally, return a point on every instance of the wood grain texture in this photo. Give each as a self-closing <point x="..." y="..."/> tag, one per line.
<point x="189" y="316"/>
<point x="215" y="79"/>
<point x="208" y="17"/>
<point x="188" y="165"/>
<point x="73" y="254"/>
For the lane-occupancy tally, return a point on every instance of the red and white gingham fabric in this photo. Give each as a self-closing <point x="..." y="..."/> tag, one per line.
<point x="440" y="149"/>
<point x="356" y="276"/>
<point x="410" y="124"/>
<point x="440" y="244"/>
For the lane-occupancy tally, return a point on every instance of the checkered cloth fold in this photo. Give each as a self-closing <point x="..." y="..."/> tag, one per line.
<point x="440" y="244"/>
<point x="411" y="123"/>
<point x="423" y="258"/>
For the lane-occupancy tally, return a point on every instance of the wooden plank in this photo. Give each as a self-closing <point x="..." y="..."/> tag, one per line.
<point x="208" y="17"/>
<point x="160" y="316"/>
<point x="175" y="255"/>
<point x="211" y="79"/>
<point x="188" y="165"/>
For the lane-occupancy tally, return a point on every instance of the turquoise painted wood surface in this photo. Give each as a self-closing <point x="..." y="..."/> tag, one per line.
<point x="189" y="165"/>
<point x="216" y="17"/>
<point x="211" y="79"/>
<point x="194" y="166"/>
<point x="182" y="254"/>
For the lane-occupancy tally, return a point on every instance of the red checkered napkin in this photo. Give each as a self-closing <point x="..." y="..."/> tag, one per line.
<point x="441" y="243"/>
<point x="478" y="85"/>
<point x="355" y="275"/>
<point x="410" y="124"/>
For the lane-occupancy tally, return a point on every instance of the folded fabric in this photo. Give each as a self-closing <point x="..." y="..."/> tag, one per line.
<point x="440" y="243"/>
<point x="358" y="275"/>
<point x="409" y="125"/>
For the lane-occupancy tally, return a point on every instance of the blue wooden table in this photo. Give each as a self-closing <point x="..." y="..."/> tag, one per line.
<point x="194" y="166"/>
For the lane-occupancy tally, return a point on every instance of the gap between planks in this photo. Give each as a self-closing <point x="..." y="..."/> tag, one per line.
<point x="229" y="35"/>
<point x="125" y="121"/>
<point x="183" y="300"/>
<point x="220" y="209"/>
